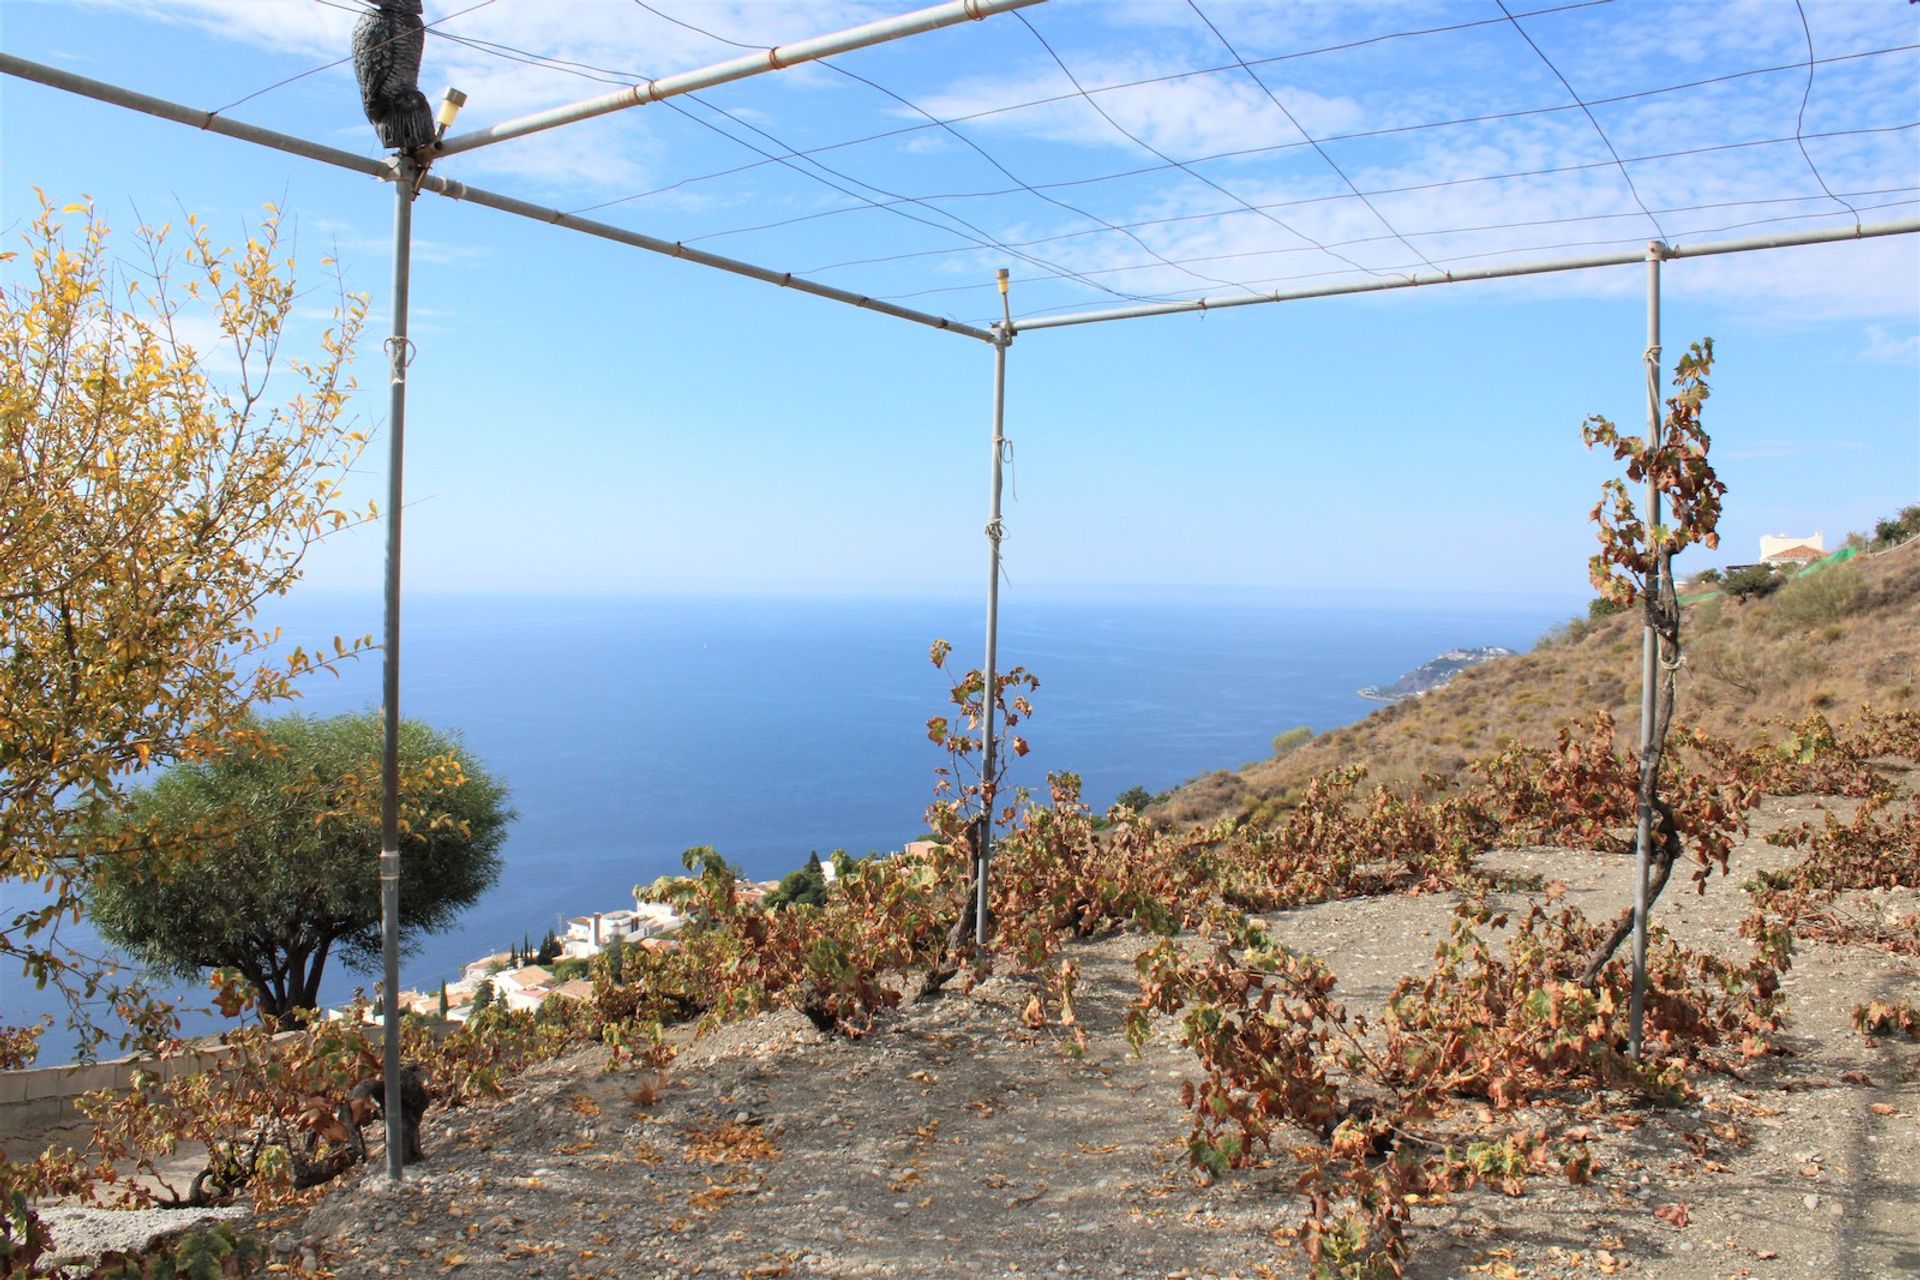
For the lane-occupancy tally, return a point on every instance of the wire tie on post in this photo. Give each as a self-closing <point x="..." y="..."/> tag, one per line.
<point x="1013" y="472"/>
<point x="995" y="530"/>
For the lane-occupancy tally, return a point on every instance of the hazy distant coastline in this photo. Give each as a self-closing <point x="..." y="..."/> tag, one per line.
<point x="1434" y="674"/>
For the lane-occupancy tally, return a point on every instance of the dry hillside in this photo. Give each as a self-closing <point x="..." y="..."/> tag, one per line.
<point x="1827" y="642"/>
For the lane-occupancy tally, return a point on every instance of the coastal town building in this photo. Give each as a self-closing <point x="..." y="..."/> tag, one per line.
<point x="523" y="988"/>
<point x="587" y="935"/>
<point x="573" y="989"/>
<point x="478" y="969"/>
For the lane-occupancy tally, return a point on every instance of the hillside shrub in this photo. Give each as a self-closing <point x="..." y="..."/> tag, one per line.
<point x="1291" y="740"/>
<point x="1570" y="632"/>
<point x="1818" y="598"/>
<point x="1896" y="529"/>
<point x="1751" y="581"/>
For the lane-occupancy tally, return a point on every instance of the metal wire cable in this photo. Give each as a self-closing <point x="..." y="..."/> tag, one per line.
<point x="984" y="238"/>
<point x="1385" y="131"/>
<point x="1186" y="295"/>
<point x="1144" y="145"/>
<point x="1800" y="121"/>
<point x="1343" y="137"/>
<point x="1020" y="183"/>
<point x="1318" y="149"/>
<point x="987" y="239"/>
<point x="1120" y="85"/>
<point x="1522" y="225"/>
<point x="980" y="238"/>
<point x="328" y="66"/>
<point x="1591" y="118"/>
<point x="1537" y="222"/>
<point x="1398" y="190"/>
<point x="1102" y="222"/>
<point x="1723" y="228"/>
<point x="1472" y="230"/>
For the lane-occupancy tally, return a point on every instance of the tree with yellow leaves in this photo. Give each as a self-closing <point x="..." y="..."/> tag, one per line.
<point x="148" y="505"/>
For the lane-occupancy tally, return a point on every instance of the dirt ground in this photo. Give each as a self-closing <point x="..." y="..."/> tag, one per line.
<point x="953" y="1141"/>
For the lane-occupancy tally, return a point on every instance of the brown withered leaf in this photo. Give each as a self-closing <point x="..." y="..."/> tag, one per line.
<point x="1677" y="1214"/>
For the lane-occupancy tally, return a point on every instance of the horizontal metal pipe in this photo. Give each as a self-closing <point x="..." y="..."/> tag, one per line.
<point x="55" y="78"/>
<point x="752" y="64"/>
<point x="1781" y="240"/>
<point x="673" y="249"/>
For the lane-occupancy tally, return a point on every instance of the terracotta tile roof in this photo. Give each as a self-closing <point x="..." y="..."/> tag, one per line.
<point x="530" y="976"/>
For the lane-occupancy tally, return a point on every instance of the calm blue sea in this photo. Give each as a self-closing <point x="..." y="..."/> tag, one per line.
<point x="628" y="730"/>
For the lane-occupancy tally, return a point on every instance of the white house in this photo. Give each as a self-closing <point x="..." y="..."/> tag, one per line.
<point x="1778" y="548"/>
<point x="586" y="935"/>
<point x="523" y="988"/>
<point x="485" y="966"/>
<point x="657" y="918"/>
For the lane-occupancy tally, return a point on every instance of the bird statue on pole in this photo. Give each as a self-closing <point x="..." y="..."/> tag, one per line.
<point x="387" y="44"/>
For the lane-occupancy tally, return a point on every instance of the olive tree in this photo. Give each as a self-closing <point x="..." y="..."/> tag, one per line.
<point x="265" y="861"/>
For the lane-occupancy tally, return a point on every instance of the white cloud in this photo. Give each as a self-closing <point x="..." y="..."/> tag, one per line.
<point x="1883" y="347"/>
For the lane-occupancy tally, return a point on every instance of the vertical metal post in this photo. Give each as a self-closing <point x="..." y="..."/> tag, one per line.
<point x="397" y="352"/>
<point x="1002" y="336"/>
<point x="1649" y="672"/>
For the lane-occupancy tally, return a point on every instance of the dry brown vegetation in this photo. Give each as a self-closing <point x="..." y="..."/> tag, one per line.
<point x="1824" y="643"/>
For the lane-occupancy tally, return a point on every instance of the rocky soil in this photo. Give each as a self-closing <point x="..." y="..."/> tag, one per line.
<point x="953" y="1141"/>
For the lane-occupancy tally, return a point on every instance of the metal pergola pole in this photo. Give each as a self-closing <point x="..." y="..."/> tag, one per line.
<point x="397" y="351"/>
<point x="1649" y="671"/>
<point x="1002" y="337"/>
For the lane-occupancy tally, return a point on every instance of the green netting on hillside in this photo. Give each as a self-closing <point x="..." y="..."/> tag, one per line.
<point x="1841" y="556"/>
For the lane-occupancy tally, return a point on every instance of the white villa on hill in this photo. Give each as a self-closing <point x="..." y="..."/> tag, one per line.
<point x="1779" y="548"/>
<point x="586" y="935"/>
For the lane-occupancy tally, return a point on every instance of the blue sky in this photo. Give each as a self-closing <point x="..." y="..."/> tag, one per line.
<point x="590" y="418"/>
